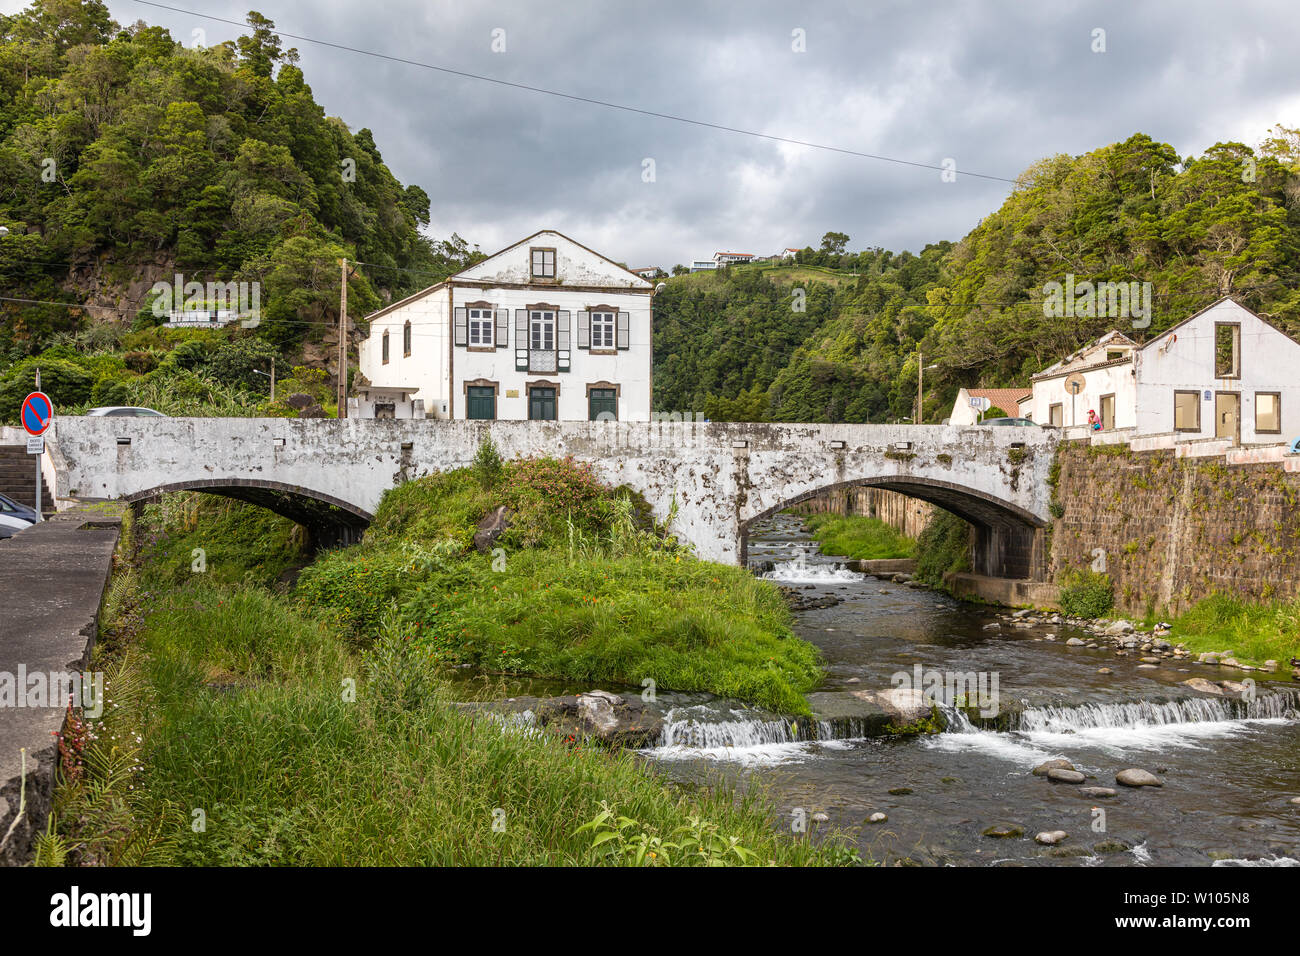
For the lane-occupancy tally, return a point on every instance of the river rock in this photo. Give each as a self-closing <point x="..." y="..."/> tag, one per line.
<point x="1004" y="831"/>
<point x="1097" y="793"/>
<point x="904" y="703"/>
<point x="1270" y="665"/>
<point x="1295" y="800"/>
<point x="1104" y="670"/>
<point x="1116" y="628"/>
<point x="1074" y="642"/>
<point x="877" y="818"/>
<point x="493" y="525"/>
<point x="1204" y="686"/>
<point x="1046" y="766"/>
<point x="1065" y="776"/>
<point x="1050" y="837"/>
<point x="1207" y="657"/>
<point x="1134" y="777"/>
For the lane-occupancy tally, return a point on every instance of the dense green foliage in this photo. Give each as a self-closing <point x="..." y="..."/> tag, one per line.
<point x="859" y="537"/>
<point x="579" y="587"/>
<point x="944" y="546"/>
<point x="1087" y="594"/>
<point x="125" y="155"/>
<point x="731" y="344"/>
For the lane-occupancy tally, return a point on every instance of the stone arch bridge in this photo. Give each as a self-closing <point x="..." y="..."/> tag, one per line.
<point x="330" y="474"/>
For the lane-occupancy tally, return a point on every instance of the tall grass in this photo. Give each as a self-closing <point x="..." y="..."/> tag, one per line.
<point x="859" y="537"/>
<point x="1253" y="631"/>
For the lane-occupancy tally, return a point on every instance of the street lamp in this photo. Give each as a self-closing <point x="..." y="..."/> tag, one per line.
<point x="4" y="230"/>
<point x="270" y="375"/>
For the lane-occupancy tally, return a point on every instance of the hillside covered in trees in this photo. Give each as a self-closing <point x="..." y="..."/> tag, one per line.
<point x="127" y="157"/>
<point x="733" y="345"/>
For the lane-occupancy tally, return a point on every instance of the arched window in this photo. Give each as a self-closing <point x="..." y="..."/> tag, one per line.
<point x="385" y="348"/>
<point x="406" y="339"/>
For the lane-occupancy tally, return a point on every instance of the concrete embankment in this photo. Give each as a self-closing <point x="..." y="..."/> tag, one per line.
<point x="52" y="576"/>
<point x="1008" y="591"/>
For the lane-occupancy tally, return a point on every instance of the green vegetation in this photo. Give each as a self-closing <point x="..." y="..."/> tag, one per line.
<point x="581" y="587"/>
<point x="1131" y="211"/>
<point x="248" y="728"/>
<point x="944" y="546"/>
<point x="127" y="156"/>
<point x="859" y="537"/>
<point x="1087" y="593"/>
<point x="1254" y="631"/>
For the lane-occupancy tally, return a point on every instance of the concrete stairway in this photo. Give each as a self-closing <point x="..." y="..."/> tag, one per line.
<point x="18" y="477"/>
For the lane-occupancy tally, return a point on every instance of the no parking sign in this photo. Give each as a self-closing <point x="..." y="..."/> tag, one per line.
<point x="38" y="412"/>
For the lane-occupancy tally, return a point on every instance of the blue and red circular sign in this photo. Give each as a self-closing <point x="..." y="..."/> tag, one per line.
<point x="38" y="412"/>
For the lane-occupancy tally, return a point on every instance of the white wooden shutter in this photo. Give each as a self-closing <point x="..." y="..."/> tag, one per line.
<point x="461" y="324"/>
<point x="584" y="329"/>
<point x="503" y="327"/>
<point x="624" y="338"/>
<point x="521" y="340"/>
<point x="562" y="320"/>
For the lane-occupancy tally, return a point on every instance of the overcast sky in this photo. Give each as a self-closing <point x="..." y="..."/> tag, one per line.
<point x="991" y="86"/>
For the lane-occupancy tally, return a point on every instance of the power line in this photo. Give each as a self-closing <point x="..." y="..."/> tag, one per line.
<point x="586" y="99"/>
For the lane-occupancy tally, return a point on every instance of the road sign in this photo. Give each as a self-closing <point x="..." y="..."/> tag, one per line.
<point x="981" y="403"/>
<point x="37" y="413"/>
<point x="36" y="445"/>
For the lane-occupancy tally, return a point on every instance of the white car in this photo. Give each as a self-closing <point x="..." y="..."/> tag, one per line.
<point x="125" y="411"/>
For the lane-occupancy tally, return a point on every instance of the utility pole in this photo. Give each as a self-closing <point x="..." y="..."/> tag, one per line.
<point x="343" y="343"/>
<point x="920" y="375"/>
<point x="272" y="378"/>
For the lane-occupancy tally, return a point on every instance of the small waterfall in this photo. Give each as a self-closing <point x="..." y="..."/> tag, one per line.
<point x="1281" y="705"/>
<point x="799" y="571"/>
<point x="691" y="732"/>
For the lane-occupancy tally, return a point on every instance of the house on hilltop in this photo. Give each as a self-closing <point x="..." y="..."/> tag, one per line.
<point x="1007" y="399"/>
<point x="545" y="329"/>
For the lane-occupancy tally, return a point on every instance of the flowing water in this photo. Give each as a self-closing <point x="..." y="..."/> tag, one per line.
<point x="1229" y="767"/>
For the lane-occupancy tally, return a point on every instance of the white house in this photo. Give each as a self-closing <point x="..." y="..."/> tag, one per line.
<point x="789" y="253"/>
<point x="703" y="265"/>
<point x="727" y="258"/>
<point x="545" y="329"/>
<point x="1109" y="387"/>
<point x="1224" y="372"/>
<point x="1007" y="399"/>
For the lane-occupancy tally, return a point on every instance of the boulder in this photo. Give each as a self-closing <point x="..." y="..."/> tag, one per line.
<point x="1204" y="686"/>
<point x="1134" y="777"/>
<point x="877" y="818"/>
<point x="1050" y="837"/>
<point x="1097" y="793"/>
<point x="1048" y="765"/>
<point x="903" y="703"/>
<point x="1004" y="831"/>
<point x="312" y="411"/>
<point x="1116" y="628"/>
<point x="493" y="525"/>
<point x="1074" y="642"/>
<point x="299" y="401"/>
<point x="1065" y="776"/>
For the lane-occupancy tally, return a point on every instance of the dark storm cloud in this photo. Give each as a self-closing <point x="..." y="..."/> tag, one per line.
<point x="993" y="86"/>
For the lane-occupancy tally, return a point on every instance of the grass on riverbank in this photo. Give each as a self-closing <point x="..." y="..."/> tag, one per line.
<point x="581" y="586"/>
<point x="859" y="537"/>
<point x="1254" y="632"/>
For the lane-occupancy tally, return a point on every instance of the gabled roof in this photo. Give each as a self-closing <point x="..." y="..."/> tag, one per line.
<point x="1007" y="399"/>
<point x="527" y="239"/>
<point x="1214" y="305"/>
<point x="1113" y="337"/>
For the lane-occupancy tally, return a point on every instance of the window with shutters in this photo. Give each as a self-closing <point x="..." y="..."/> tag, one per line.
<point x="481" y="323"/>
<point x="602" y="331"/>
<point x="541" y="340"/>
<point x="543" y="263"/>
<point x="406" y="340"/>
<point x="384" y="348"/>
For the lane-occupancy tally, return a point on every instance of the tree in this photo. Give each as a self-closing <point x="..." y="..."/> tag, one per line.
<point x="834" y="243"/>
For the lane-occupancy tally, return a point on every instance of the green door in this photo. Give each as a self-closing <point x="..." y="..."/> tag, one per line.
<point x="481" y="403"/>
<point x="602" y="405"/>
<point x="541" y="404"/>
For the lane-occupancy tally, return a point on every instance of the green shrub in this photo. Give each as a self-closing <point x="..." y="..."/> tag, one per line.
<point x="1087" y="594"/>
<point x="944" y="546"/>
<point x="859" y="537"/>
<point x="487" y="462"/>
<point x="67" y="384"/>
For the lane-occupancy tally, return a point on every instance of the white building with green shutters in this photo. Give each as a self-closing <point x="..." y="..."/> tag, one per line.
<point x="546" y="329"/>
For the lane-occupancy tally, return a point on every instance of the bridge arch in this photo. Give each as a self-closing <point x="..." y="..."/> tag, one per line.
<point x="1007" y="542"/>
<point x="330" y="521"/>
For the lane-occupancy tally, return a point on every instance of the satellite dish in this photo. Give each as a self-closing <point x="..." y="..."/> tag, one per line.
<point x="1075" y="383"/>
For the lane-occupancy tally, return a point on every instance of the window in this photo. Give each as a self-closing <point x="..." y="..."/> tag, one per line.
<point x="1113" y="354"/>
<point x="481" y="402"/>
<point x="543" y="263"/>
<point x="406" y="339"/>
<point x="541" y="404"/>
<point x="1107" y="412"/>
<point x="1187" y="411"/>
<point x="602" y="330"/>
<point x="1056" y="414"/>
<point x="1268" y="413"/>
<point x="480" y="328"/>
<point x="541" y="341"/>
<point x="1227" y="350"/>
<point x="602" y="404"/>
<point x="384" y="348"/>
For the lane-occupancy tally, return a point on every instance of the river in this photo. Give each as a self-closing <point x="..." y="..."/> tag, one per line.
<point x="1229" y="770"/>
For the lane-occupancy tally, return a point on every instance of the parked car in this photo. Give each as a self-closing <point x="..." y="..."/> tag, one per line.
<point x="1023" y="422"/>
<point x="125" y="411"/>
<point x="14" y="517"/>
